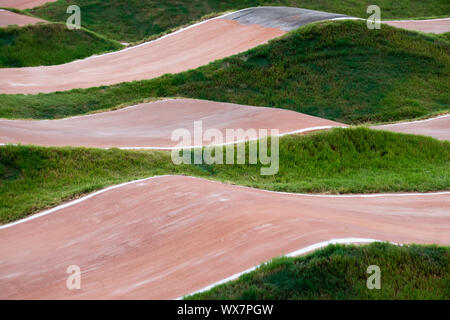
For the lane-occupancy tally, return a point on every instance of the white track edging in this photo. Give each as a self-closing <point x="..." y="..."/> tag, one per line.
<point x="74" y="202"/>
<point x="305" y="130"/>
<point x="414" y="121"/>
<point x="155" y="40"/>
<point x="292" y="254"/>
<point x="233" y="142"/>
<point x="424" y="20"/>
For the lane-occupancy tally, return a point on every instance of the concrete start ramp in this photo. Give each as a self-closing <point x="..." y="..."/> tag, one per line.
<point x="150" y="125"/>
<point x="23" y="4"/>
<point x="168" y="236"/>
<point x="284" y="18"/>
<point x="8" y="18"/>
<point x="438" y="127"/>
<point x="185" y="49"/>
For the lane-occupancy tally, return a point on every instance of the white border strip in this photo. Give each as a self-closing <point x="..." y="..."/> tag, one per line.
<point x="412" y="122"/>
<point x="383" y="21"/>
<point x="233" y="142"/>
<point x="155" y="40"/>
<point x="305" y="130"/>
<point x="74" y="202"/>
<point x="424" y="20"/>
<point x="292" y="254"/>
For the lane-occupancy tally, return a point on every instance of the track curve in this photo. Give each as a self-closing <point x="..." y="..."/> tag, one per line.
<point x="189" y="49"/>
<point x="23" y="4"/>
<point x="182" y="50"/>
<point x="8" y="18"/>
<point x="438" y="127"/>
<point x="153" y="238"/>
<point x="430" y="26"/>
<point x="150" y="125"/>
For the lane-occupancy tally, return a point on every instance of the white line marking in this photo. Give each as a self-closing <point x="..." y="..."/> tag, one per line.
<point x="412" y="122"/>
<point x="201" y="146"/>
<point x="425" y="20"/>
<point x="155" y="40"/>
<point x="74" y="202"/>
<point x="232" y="142"/>
<point x="292" y="254"/>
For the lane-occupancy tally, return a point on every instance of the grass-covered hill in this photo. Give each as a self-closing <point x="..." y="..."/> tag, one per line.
<point x="337" y="70"/>
<point x="48" y="44"/>
<point x="338" y="161"/>
<point x="340" y="272"/>
<point x="133" y="20"/>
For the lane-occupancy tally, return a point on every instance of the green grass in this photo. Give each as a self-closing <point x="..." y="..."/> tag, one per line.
<point x="132" y="20"/>
<point x="338" y="161"/>
<point x="48" y="44"/>
<point x="336" y="70"/>
<point x="340" y="272"/>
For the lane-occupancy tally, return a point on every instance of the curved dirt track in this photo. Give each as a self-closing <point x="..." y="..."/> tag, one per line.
<point x="168" y="236"/>
<point x="23" y="4"/>
<point x="438" y="127"/>
<point x="150" y="125"/>
<point x="8" y="18"/>
<point x="185" y="49"/>
<point x="191" y="48"/>
<point x="431" y="26"/>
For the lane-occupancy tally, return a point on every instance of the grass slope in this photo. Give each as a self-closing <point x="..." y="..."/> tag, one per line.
<point x="48" y="44"/>
<point x="336" y="70"/>
<point x="132" y="20"/>
<point x="339" y="272"/>
<point x="337" y="161"/>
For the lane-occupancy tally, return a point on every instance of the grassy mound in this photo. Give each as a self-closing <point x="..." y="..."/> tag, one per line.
<point x="337" y="161"/>
<point x="340" y="272"/>
<point x="336" y="70"/>
<point x="48" y="44"/>
<point x="133" y="20"/>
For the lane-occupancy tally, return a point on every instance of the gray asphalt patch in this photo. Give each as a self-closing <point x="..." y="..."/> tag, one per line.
<point x="285" y="18"/>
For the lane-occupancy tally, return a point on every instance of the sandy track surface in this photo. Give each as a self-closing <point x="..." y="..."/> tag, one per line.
<point x="151" y="124"/>
<point x="433" y="25"/>
<point x="10" y="18"/>
<point x="168" y="236"/>
<point x="189" y="49"/>
<point x="23" y="4"/>
<point x="438" y="127"/>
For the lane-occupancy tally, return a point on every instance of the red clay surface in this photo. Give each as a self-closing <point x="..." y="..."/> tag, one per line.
<point x="434" y="26"/>
<point x="10" y="18"/>
<point x="23" y="4"/>
<point x="169" y="236"/>
<point x="438" y="128"/>
<point x="152" y="124"/>
<point x="188" y="49"/>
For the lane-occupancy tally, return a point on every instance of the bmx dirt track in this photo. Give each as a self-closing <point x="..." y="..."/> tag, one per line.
<point x="189" y="49"/>
<point x="186" y="49"/>
<point x="438" y="127"/>
<point x="10" y="18"/>
<point x="23" y="4"/>
<point x="434" y="25"/>
<point x="155" y="238"/>
<point x="150" y="125"/>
